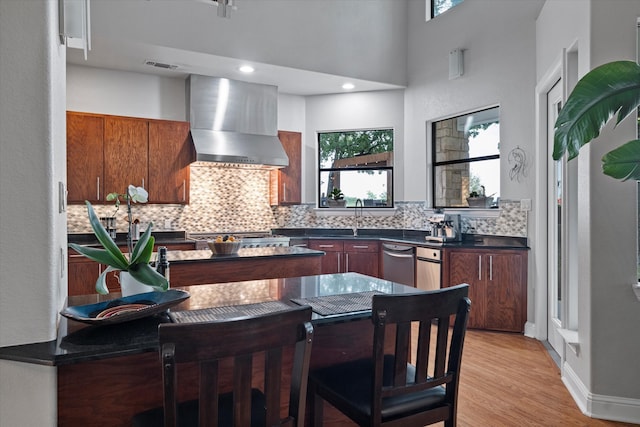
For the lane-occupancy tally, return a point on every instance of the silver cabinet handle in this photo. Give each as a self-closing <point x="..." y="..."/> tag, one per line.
<point x="142" y="182"/>
<point x="98" y="187"/>
<point x="284" y="191"/>
<point x="490" y="267"/>
<point x="346" y="266"/>
<point x="479" y="267"/>
<point x="184" y="190"/>
<point x="326" y="246"/>
<point x="339" y="268"/>
<point x="360" y="246"/>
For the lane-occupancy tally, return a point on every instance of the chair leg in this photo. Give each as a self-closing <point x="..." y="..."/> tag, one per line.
<point x="317" y="405"/>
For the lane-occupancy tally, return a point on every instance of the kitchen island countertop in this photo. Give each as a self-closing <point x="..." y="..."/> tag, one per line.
<point x="178" y="257"/>
<point x="77" y="342"/>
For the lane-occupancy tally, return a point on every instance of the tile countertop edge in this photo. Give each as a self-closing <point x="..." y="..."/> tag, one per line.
<point x="242" y="255"/>
<point x="412" y="237"/>
<point x="37" y="354"/>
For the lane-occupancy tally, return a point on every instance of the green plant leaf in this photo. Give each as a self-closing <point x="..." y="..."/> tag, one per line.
<point x="100" y="255"/>
<point x="101" y="283"/>
<point x="104" y="238"/>
<point x="144" y="247"/>
<point x="604" y="91"/>
<point x="147" y="275"/>
<point x="623" y="162"/>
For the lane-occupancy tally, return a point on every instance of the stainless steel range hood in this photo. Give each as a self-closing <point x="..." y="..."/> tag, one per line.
<point x="234" y="122"/>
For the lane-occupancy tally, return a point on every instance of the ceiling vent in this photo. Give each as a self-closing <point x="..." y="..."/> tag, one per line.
<point x="160" y="64"/>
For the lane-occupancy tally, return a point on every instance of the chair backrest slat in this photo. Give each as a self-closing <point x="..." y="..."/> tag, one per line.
<point x="273" y="373"/>
<point x="422" y="352"/>
<point x="208" y="393"/>
<point x="403" y="339"/>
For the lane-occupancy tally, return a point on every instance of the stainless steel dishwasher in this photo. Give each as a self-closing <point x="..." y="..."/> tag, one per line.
<point x="398" y="263"/>
<point x="428" y="269"/>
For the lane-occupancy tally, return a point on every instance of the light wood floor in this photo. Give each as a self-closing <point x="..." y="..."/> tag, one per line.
<point x="510" y="380"/>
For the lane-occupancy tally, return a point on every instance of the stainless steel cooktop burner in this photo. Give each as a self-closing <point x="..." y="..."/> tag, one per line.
<point x="249" y="239"/>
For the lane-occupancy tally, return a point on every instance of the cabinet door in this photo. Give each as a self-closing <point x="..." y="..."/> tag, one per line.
<point x="170" y="154"/>
<point x="83" y="274"/>
<point x="362" y="257"/>
<point x="505" y="291"/>
<point x="126" y="153"/>
<point x="467" y="267"/>
<point x="85" y="175"/>
<point x="285" y="182"/>
<point x="332" y="261"/>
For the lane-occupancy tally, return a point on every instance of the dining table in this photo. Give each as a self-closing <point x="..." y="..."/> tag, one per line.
<point x="109" y="369"/>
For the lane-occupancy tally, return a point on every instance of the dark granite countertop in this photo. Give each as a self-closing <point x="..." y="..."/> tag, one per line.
<point x="410" y="237"/>
<point x="78" y="342"/>
<point x="179" y="257"/>
<point x="161" y="237"/>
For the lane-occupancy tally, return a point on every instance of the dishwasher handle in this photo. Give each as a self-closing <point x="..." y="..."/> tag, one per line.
<point x="398" y="255"/>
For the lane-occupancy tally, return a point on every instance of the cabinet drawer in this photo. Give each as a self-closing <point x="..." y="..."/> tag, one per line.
<point x="327" y="245"/>
<point x="362" y="246"/>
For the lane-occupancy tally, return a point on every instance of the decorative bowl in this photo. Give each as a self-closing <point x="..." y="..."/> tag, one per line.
<point x="224" y="248"/>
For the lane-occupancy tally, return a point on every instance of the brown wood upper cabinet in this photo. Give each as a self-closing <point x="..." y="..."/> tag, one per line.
<point x="85" y="158"/>
<point x="107" y="153"/>
<point x="170" y="153"/>
<point x="285" y="182"/>
<point x="126" y="153"/>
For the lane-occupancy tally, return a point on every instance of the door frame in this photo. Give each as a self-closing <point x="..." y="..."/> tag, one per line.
<point x="555" y="254"/>
<point x="561" y="69"/>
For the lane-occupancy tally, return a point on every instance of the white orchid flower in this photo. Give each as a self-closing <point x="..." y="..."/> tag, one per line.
<point x="138" y="194"/>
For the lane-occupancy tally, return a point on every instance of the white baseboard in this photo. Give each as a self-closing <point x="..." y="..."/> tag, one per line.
<point x="530" y="330"/>
<point x="611" y="408"/>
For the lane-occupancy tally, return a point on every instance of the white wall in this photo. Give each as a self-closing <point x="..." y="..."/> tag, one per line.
<point x="498" y="39"/>
<point x="33" y="250"/>
<point x="352" y="111"/>
<point x="122" y="93"/>
<point x="603" y="377"/>
<point x="354" y="38"/>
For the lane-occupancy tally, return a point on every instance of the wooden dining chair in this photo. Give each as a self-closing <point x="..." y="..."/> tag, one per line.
<point x="246" y="341"/>
<point x="387" y="390"/>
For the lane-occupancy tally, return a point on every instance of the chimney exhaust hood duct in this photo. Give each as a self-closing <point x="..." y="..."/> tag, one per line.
<point x="234" y="122"/>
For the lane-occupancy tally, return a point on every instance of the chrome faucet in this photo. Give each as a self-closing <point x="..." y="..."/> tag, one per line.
<point x="355" y="217"/>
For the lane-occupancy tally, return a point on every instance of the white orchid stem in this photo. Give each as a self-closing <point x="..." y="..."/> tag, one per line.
<point x="129" y="222"/>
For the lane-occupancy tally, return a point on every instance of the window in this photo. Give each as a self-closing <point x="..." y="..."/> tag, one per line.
<point x="441" y="6"/>
<point x="359" y="164"/>
<point x="466" y="166"/>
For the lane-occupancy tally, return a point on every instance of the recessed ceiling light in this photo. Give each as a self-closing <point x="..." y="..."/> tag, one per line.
<point x="247" y="69"/>
<point x="348" y="86"/>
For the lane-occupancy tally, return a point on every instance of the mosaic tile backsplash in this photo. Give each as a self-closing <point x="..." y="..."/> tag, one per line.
<point x="235" y="199"/>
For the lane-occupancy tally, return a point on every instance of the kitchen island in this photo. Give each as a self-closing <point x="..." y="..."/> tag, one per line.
<point x="108" y="373"/>
<point x="201" y="267"/>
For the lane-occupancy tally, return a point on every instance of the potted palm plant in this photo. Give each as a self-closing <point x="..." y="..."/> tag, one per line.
<point x="137" y="262"/>
<point x="608" y="90"/>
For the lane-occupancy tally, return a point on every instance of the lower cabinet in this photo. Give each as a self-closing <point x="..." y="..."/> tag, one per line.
<point x="360" y="256"/>
<point x="497" y="286"/>
<point x="83" y="272"/>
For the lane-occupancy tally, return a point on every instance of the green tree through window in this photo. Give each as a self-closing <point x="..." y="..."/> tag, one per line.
<point x="359" y="163"/>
